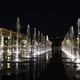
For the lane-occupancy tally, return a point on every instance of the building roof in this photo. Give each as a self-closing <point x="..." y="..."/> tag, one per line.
<point x="6" y="32"/>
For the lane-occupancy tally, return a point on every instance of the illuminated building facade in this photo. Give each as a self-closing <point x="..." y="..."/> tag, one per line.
<point x="8" y="42"/>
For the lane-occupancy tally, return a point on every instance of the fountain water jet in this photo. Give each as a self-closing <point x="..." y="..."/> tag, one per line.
<point x="34" y="43"/>
<point x="17" y="40"/>
<point x="9" y="50"/>
<point x="28" y="45"/>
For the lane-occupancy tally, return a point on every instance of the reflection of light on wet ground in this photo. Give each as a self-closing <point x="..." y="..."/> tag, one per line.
<point x="78" y="67"/>
<point x="8" y="65"/>
<point x="36" y="53"/>
<point x="1" y="66"/>
<point x="27" y="69"/>
<point x="72" y="64"/>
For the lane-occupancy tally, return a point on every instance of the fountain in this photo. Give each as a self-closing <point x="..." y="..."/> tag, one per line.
<point x="68" y="43"/>
<point x="9" y="47"/>
<point x="17" y="46"/>
<point x="38" y="47"/>
<point x="41" y="44"/>
<point x="17" y="52"/>
<point x="28" y="32"/>
<point x="71" y="32"/>
<point x="28" y="45"/>
<point x="71" y="45"/>
<point x="79" y="35"/>
<point x="34" y="43"/>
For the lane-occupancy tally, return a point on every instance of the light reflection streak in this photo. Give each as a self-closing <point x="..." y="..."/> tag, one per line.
<point x="36" y="53"/>
<point x="8" y="65"/>
<point x="68" y="53"/>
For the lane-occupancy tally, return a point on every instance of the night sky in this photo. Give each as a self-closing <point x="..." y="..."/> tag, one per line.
<point x="53" y="19"/>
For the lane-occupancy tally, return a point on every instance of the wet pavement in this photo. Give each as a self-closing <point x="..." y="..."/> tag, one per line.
<point x="40" y="68"/>
<point x="55" y="69"/>
<point x="61" y="68"/>
<point x="72" y="69"/>
<point x="27" y="69"/>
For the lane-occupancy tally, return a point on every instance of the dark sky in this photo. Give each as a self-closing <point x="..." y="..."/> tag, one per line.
<point x="51" y="18"/>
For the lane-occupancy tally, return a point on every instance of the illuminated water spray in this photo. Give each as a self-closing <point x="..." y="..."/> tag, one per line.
<point x="79" y="35"/>
<point x="28" y="32"/>
<point x="42" y="42"/>
<point x="38" y="47"/>
<point x="34" y="43"/>
<point x="28" y="44"/>
<point x="48" y="43"/>
<point x="17" y="40"/>
<point x="28" y="38"/>
<point x="9" y="50"/>
<point x="71" y="45"/>
<point x="72" y="40"/>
